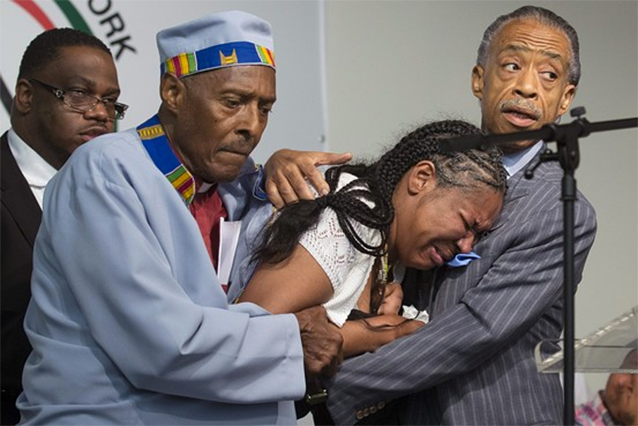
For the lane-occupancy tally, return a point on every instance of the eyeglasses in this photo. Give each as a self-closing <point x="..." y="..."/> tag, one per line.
<point x="84" y="103"/>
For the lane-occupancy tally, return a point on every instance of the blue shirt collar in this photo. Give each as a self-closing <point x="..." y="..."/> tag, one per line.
<point x="514" y="162"/>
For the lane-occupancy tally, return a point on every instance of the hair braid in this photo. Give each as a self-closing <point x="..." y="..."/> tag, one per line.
<point x="367" y="200"/>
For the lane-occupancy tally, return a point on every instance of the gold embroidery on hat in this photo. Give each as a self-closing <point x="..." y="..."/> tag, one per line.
<point x="228" y="60"/>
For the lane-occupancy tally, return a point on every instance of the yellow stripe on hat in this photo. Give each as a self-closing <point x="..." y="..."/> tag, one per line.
<point x="266" y="55"/>
<point x="183" y="63"/>
<point x="170" y="66"/>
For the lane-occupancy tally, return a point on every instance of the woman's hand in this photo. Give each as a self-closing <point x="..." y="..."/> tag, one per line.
<point x="369" y="334"/>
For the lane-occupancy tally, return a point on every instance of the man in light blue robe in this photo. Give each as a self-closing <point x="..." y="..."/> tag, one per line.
<point x="128" y="320"/>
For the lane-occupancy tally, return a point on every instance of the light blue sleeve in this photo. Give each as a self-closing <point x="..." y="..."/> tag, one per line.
<point x="123" y="270"/>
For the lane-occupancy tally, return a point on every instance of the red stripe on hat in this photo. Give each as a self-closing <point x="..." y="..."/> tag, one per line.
<point x="177" y="65"/>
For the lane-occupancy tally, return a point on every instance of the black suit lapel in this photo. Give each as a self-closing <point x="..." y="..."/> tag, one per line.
<point x="17" y="199"/>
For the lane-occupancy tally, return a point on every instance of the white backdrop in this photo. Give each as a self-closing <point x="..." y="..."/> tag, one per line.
<point x="129" y="28"/>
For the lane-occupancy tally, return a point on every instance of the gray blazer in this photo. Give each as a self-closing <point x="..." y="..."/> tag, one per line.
<point x="474" y="362"/>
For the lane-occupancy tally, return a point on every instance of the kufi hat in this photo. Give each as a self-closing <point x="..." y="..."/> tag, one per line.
<point x="219" y="40"/>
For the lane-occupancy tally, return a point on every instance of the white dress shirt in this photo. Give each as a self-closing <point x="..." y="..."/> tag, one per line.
<point x="34" y="168"/>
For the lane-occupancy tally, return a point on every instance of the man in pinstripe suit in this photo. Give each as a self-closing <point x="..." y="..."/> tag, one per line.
<point x="474" y="362"/>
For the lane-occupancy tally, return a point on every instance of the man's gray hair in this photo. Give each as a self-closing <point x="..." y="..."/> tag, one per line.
<point x="542" y="16"/>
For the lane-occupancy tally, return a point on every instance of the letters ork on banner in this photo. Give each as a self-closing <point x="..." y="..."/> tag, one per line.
<point x="128" y="28"/>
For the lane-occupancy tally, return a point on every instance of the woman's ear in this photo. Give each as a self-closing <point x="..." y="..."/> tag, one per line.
<point x="172" y="91"/>
<point x="421" y="177"/>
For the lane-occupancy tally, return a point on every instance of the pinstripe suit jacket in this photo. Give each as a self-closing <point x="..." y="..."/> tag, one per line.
<point x="474" y="363"/>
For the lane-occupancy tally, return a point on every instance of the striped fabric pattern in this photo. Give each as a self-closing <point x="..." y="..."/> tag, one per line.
<point x="183" y="182"/>
<point x="473" y="364"/>
<point x="156" y="143"/>
<point x="223" y="55"/>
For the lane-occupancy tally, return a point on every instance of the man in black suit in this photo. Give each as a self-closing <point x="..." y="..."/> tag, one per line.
<point x="66" y="94"/>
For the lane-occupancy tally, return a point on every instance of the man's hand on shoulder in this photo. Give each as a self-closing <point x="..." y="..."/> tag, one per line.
<point x="288" y="173"/>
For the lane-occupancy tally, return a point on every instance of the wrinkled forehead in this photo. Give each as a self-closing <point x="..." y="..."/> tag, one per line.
<point x="532" y="36"/>
<point x="244" y="78"/>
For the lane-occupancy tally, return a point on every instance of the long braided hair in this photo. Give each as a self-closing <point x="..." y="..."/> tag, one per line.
<point x="367" y="199"/>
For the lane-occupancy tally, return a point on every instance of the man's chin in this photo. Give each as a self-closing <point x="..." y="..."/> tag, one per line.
<point x="516" y="146"/>
<point x="220" y="176"/>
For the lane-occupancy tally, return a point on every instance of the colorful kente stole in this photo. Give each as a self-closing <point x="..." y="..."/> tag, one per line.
<point x="156" y="143"/>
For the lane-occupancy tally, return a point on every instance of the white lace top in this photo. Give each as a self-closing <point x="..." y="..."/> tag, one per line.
<point x="347" y="268"/>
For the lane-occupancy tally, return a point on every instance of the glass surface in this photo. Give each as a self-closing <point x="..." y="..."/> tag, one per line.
<point x="602" y="351"/>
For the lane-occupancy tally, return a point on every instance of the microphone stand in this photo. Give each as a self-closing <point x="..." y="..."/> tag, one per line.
<point x="566" y="137"/>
